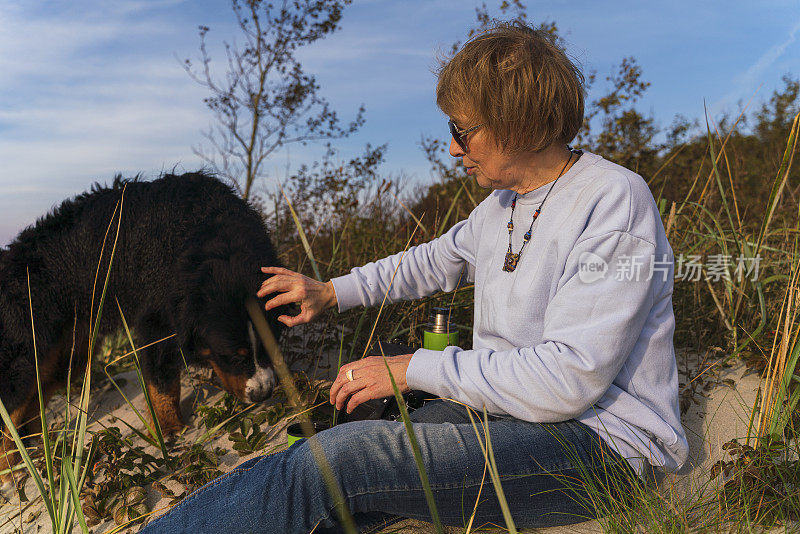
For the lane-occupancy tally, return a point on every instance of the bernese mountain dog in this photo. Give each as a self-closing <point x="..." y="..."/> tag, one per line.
<point x="177" y="256"/>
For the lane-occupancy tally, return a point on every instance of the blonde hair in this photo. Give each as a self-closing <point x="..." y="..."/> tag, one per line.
<point x="518" y="84"/>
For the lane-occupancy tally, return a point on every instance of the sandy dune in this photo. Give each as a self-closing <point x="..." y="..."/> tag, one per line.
<point x="715" y="416"/>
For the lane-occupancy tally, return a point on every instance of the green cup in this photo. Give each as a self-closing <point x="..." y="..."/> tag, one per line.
<point x="437" y="341"/>
<point x="294" y="432"/>
<point x="440" y="332"/>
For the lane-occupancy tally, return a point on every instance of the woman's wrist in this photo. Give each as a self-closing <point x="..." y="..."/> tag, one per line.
<point x="330" y="300"/>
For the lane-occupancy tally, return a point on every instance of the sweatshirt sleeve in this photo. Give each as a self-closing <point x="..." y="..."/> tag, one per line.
<point x="586" y="340"/>
<point x="420" y="271"/>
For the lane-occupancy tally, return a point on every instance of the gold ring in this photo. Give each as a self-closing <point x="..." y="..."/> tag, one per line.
<point x="349" y="375"/>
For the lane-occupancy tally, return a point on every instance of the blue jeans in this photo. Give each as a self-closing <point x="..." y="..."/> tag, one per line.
<point x="543" y="469"/>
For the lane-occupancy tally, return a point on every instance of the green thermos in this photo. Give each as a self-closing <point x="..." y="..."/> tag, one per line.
<point x="439" y="332"/>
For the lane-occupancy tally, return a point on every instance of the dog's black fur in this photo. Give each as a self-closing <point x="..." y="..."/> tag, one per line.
<point x="187" y="257"/>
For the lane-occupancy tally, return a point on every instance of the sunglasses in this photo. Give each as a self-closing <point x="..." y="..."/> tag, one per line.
<point x="459" y="136"/>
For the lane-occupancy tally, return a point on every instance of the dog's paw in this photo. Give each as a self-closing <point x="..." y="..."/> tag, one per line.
<point x="171" y="425"/>
<point x="173" y="430"/>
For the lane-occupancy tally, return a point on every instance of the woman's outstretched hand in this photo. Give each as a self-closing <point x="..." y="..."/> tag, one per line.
<point x="370" y="380"/>
<point x="314" y="297"/>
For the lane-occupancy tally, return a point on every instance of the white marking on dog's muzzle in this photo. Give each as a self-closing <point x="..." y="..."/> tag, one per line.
<point x="260" y="385"/>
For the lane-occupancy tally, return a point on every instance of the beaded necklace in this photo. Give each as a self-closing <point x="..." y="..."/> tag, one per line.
<point x="512" y="259"/>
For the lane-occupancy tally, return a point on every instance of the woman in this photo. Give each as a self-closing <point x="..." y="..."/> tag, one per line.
<point x="572" y="357"/>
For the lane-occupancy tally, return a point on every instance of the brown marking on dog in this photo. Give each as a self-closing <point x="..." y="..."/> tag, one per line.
<point x="166" y="405"/>
<point x="9" y="455"/>
<point x="26" y="415"/>
<point x="236" y="384"/>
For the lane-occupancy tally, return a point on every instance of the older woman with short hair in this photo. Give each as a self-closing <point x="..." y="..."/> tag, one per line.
<point x="572" y="342"/>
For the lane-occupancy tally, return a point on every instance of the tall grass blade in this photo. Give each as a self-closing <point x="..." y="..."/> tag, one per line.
<point x="780" y="180"/>
<point x="149" y="438"/>
<point x="76" y="499"/>
<point x="720" y="187"/>
<point x="336" y="245"/>
<point x="423" y="475"/>
<point x="338" y="367"/>
<point x="488" y="454"/>
<point x="447" y="215"/>
<point x="778" y="403"/>
<point x="48" y="452"/>
<point x="63" y="502"/>
<point x="285" y="376"/>
<point x="26" y="458"/>
<point x="411" y="213"/>
<point x="96" y="326"/>
<point x="155" y="428"/>
<point x="303" y="238"/>
<point x="386" y="296"/>
<point x="64" y="480"/>
<point x="356" y="332"/>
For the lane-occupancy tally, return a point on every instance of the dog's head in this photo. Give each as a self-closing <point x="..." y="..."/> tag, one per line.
<point x="225" y="339"/>
<point x="238" y="359"/>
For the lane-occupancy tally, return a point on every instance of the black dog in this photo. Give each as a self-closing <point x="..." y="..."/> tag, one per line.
<point x="187" y="256"/>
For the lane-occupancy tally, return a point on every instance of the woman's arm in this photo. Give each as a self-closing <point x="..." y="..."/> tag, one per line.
<point x="590" y="328"/>
<point x="420" y="271"/>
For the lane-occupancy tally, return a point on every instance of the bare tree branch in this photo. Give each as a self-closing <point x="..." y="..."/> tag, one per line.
<point x="265" y="99"/>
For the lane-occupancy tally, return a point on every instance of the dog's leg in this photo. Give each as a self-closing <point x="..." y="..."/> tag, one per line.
<point x="9" y="454"/>
<point x="9" y="457"/>
<point x="161" y="367"/>
<point x="26" y="416"/>
<point x="166" y="405"/>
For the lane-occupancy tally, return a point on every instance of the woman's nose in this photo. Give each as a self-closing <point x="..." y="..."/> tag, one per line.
<point x="455" y="149"/>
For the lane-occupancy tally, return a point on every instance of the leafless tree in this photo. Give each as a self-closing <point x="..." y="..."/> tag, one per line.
<point x="265" y="99"/>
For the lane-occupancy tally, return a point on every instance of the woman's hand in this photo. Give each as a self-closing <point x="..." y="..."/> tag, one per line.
<point x="370" y="380"/>
<point x="314" y="297"/>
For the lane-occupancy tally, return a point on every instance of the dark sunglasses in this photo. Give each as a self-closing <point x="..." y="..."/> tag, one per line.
<point x="460" y="135"/>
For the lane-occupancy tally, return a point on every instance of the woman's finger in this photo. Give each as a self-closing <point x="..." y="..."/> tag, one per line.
<point x="276" y="270"/>
<point x="335" y="387"/>
<point x="340" y="380"/>
<point x="282" y="299"/>
<point x="348" y="389"/>
<point x="301" y="318"/>
<point x="357" y="398"/>
<point x="275" y="284"/>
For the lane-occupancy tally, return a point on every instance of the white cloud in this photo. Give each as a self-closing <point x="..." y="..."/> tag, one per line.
<point x="86" y="93"/>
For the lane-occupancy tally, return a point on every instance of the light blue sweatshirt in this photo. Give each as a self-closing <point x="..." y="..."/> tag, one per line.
<point x="582" y="329"/>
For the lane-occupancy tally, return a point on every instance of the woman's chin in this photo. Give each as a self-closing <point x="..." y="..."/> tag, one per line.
<point x="481" y="180"/>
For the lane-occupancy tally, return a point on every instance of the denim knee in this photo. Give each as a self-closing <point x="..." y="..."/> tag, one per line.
<point x="361" y="454"/>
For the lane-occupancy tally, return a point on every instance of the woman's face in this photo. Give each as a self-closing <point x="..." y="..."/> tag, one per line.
<point x="484" y="160"/>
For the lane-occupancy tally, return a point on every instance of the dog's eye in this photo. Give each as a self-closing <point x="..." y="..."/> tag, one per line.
<point x="205" y="352"/>
<point x="243" y="352"/>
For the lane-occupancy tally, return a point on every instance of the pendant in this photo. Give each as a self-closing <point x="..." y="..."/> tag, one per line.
<point x="511" y="262"/>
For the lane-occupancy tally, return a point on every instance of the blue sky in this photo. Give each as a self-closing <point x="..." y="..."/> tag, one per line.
<point x="90" y="88"/>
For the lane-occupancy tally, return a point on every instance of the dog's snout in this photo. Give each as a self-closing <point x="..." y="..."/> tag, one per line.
<point x="260" y="385"/>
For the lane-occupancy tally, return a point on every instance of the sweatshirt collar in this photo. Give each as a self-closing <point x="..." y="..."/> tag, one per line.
<point x="537" y="195"/>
